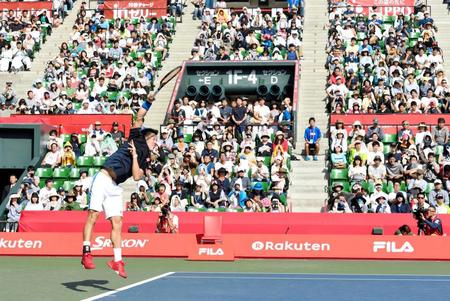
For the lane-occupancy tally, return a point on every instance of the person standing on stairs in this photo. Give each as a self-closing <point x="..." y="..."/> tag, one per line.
<point x="312" y="139"/>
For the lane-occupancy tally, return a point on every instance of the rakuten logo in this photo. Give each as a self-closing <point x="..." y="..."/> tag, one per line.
<point x="102" y="242"/>
<point x="290" y="246"/>
<point x="211" y="252"/>
<point x="20" y="244"/>
<point x="391" y="247"/>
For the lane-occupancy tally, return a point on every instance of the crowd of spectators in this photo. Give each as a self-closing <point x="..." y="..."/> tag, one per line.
<point x="231" y="155"/>
<point x="384" y="64"/>
<point x="247" y="34"/>
<point x="392" y="65"/>
<point x="63" y="180"/>
<point x="106" y="67"/>
<point x="374" y="171"/>
<point x="23" y="32"/>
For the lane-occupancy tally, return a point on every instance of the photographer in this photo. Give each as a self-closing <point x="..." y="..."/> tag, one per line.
<point x="167" y="222"/>
<point x="432" y="223"/>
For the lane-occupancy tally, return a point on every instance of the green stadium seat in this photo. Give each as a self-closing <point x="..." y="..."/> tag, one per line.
<point x="83" y="138"/>
<point x="57" y="183"/>
<point x="92" y="171"/>
<point x="74" y="173"/>
<point x="44" y="172"/>
<point x="429" y="187"/>
<point x="65" y="137"/>
<point x="188" y="138"/>
<point x="439" y="150"/>
<point x="339" y="174"/>
<point x="267" y="161"/>
<point x="85" y="161"/>
<point x="68" y="185"/>
<point x="99" y="161"/>
<point x="61" y="173"/>
<point x="390" y="138"/>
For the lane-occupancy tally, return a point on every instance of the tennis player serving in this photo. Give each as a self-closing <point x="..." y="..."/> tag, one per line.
<point x="130" y="160"/>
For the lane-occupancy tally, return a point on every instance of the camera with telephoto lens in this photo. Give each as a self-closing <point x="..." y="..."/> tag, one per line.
<point x="417" y="215"/>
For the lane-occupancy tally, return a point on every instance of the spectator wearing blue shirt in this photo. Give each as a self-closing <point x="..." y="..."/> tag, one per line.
<point x="104" y="24"/>
<point x="292" y="53"/>
<point x="312" y="138"/>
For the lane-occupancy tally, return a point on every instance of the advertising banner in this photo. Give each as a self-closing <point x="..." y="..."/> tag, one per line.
<point x="31" y="7"/>
<point x="383" y="7"/>
<point x="80" y="123"/>
<point x="234" y="246"/>
<point x="134" y="9"/>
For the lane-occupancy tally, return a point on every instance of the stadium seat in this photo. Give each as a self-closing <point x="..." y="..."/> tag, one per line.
<point x="85" y="161"/>
<point x="390" y="138"/>
<point x="188" y="138"/>
<point x="68" y="185"/>
<point x="44" y="172"/>
<point x="61" y="173"/>
<point x="65" y="137"/>
<point x="92" y="171"/>
<point x="429" y="187"/>
<point x="83" y="138"/>
<point x="57" y="183"/>
<point x="339" y="174"/>
<point x="99" y="161"/>
<point x="267" y="161"/>
<point x="74" y="173"/>
<point x="212" y="229"/>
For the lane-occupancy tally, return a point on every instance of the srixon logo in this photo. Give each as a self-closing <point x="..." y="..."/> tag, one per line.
<point x="392" y="247"/>
<point x="211" y="251"/>
<point x="102" y="242"/>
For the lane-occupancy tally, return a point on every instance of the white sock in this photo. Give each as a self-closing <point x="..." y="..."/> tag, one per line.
<point x="117" y="254"/>
<point x="86" y="243"/>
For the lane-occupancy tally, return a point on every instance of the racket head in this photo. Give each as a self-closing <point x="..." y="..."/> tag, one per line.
<point x="168" y="77"/>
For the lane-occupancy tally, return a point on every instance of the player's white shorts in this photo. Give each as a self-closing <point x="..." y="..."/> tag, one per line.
<point x="106" y="196"/>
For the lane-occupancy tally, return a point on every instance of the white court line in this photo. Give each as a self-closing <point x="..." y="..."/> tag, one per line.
<point x="310" y="278"/>
<point x="316" y="274"/>
<point x="128" y="287"/>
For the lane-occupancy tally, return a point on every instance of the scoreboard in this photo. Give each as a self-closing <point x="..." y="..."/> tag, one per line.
<point x="212" y="81"/>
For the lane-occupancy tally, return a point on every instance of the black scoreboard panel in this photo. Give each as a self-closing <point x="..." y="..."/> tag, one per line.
<point x="212" y="81"/>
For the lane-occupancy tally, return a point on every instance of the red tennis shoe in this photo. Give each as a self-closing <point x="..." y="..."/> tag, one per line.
<point x="87" y="261"/>
<point x="118" y="267"/>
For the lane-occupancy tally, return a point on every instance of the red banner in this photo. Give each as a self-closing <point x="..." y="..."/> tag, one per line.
<point x="31" y="7"/>
<point x="78" y="123"/>
<point x="234" y="245"/>
<point x="233" y="222"/>
<point x="383" y="7"/>
<point x="134" y="9"/>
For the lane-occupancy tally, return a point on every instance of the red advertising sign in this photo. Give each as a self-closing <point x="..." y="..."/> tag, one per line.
<point x="383" y="7"/>
<point x="31" y="7"/>
<point x="235" y="246"/>
<point x="134" y="9"/>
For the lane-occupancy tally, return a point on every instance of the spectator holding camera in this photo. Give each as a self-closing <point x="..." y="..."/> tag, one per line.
<point x="432" y="223"/>
<point x="167" y="221"/>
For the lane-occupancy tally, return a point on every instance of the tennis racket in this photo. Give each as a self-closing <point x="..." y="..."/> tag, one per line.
<point x="167" y="78"/>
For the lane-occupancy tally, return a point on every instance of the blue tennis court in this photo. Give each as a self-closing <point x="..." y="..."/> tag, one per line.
<point x="256" y="286"/>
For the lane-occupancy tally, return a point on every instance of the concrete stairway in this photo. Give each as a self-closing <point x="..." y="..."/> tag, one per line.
<point x="307" y="191"/>
<point x="441" y="18"/>
<point x="23" y="80"/>
<point x="180" y="50"/>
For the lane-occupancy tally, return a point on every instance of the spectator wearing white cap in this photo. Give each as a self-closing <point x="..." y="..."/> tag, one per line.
<point x="437" y="190"/>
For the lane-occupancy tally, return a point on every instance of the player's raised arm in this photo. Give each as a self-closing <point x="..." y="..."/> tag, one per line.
<point x="139" y="122"/>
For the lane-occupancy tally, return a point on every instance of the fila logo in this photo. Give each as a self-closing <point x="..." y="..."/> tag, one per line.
<point x="211" y="252"/>
<point x="391" y="247"/>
